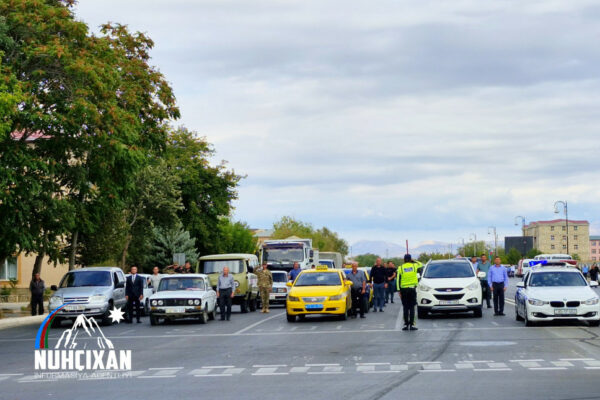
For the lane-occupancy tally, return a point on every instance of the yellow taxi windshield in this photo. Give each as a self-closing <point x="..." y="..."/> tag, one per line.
<point x="318" y="279"/>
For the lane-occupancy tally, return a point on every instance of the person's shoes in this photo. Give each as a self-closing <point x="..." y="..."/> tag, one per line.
<point x="392" y="301"/>
<point x="381" y="310"/>
<point x="496" y="314"/>
<point x="362" y="316"/>
<point x="405" y="328"/>
<point x="222" y="319"/>
<point x="267" y="311"/>
<point x="262" y="311"/>
<point x="489" y="306"/>
<point x="414" y="328"/>
<point x="501" y="314"/>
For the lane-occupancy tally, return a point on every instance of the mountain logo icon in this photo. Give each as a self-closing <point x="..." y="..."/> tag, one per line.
<point x="88" y="328"/>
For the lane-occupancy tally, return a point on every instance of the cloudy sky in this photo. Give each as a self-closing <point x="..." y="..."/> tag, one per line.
<point x="391" y="120"/>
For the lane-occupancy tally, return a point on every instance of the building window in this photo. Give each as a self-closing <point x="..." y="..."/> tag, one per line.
<point x="564" y="237"/>
<point x="564" y="228"/>
<point x="552" y="246"/>
<point x="576" y="247"/>
<point x="575" y="227"/>
<point x="8" y="270"/>
<point x="575" y="237"/>
<point x="552" y="228"/>
<point x="593" y="251"/>
<point x="564" y="246"/>
<point x="551" y="237"/>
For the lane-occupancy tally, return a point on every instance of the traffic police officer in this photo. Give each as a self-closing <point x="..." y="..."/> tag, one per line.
<point x="265" y="284"/>
<point x="406" y="283"/>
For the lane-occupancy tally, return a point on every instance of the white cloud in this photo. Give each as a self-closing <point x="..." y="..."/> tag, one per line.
<point x="388" y="120"/>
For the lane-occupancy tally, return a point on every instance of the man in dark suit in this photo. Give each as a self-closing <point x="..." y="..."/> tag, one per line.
<point x="134" y="293"/>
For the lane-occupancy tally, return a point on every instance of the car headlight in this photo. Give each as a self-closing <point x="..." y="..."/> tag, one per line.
<point x="154" y="302"/>
<point x="236" y="284"/>
<point x="97" y="298"/>
<point x="190" y="302"/>
<point x="160" y="302"/>
<point x="293" y="298"/>
<point x="197" y="302"/>
<point x="56" y="299"/>
<point x="473" y="286"/>
<point x="535" y="302"/>
<point x="591" y="302"/>
<point x="283" y="290"/>
<point x="337" y="297"/>
<point x="424" y="287"/>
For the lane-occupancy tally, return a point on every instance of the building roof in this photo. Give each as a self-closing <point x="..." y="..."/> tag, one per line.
<point x="594" y="237"/>
<point x="557" y="221"/>
<point x="18" y="135"/>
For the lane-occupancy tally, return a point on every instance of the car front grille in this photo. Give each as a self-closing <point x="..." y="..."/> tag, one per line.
<point x="573" y="303"/>
<point x="313" y="299"/>
<point x="175" y="302"/>
<point x="448" y="290"/>
<point x="557" y="304"/>
<point x="76" y="300"/>
<point x="449" y="296"/>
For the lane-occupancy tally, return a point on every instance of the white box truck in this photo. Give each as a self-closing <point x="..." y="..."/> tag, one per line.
<point x="280" y="255"/>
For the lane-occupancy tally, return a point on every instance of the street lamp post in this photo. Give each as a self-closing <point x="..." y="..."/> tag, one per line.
<point x="463" y="244"/>
<point x="474" y="243"/>
<point x="523" y="233"/>
<point x="566" y="211"/>
<point x="493" y="228"/>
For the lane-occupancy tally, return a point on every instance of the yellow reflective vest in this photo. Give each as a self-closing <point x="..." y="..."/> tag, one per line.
<point x="407" y="275"/>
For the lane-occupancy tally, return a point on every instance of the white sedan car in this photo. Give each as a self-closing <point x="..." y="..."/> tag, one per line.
<point x="183" y="296"/>
<point x="556" y="293"/>
<point x="449" y="286"/>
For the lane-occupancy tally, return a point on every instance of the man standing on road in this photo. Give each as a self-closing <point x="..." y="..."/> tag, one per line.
<point x="391" y="282"/>
<point x="225" y="288"/>
<point x="37" y="287"/>
<point x="294" y="272"/>
<point x="265" y="285"/>
<point x="498" y="283"/>
<point x="155" y="279"/>
<point x="359" y="286"/>
<point x="484" y="266"/>
<point x="379" y="280"/>
<point x="406" y="283"/>
<point x="134" y="293"/>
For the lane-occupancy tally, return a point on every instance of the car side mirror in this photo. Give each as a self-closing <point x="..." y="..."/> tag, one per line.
<point x="593" y="284"/>
<point x="289" y="284"/>
<point x="53" y="287"/>
<point x="521" y="285"/>
<point x="481" y="274"/>
<point x="120" y="285"/>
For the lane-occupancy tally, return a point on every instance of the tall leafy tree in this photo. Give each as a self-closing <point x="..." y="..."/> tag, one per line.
<point x="168" y="241"/>
<point x="96" y="109"/>
<point x="235" y="237"/>
<point x="323" y="239"/>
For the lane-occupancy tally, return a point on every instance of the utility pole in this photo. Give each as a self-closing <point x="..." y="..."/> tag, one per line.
<point x="493" y="228"/>
<point x="566" y="211"/>
<point x="474" y="244"/>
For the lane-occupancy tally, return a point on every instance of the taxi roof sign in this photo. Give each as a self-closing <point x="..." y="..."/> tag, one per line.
<point x="322" y="268"/>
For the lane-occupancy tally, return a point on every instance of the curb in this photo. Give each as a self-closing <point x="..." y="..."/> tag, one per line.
<point x="21" y="321"/>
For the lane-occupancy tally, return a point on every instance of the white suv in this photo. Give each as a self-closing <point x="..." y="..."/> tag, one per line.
<point x="449" y="286"/>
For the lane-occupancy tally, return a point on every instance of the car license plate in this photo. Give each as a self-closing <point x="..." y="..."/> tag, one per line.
<point x="271" y="296"/>
<point x="448" y="302"/>
<point x="313" y="306"/>
<point x="75" y="308"/>
<point x="567" y="311"/>
<point x="175" y="310"/>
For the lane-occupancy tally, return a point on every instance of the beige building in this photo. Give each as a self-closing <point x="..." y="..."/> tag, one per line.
<point x="18" y="269"/>
<point x="550" y="237"/>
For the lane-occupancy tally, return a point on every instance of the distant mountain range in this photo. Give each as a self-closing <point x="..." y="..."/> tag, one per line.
<point x="389" y="249"/>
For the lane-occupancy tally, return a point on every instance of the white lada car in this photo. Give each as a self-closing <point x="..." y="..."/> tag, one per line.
<point x="183" y="296"/>
<point x="449" y="286"/>
<point x="556" y="293"/>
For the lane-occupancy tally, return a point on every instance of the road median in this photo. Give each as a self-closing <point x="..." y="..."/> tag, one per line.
<point x="6" y="323"/>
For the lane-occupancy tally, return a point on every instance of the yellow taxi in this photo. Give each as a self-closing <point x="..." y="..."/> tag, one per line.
<point x="319" y="291"/>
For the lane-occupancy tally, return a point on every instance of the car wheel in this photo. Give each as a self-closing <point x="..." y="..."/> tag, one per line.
<point x="106" y="321"/>
<point x="526" y="318"/>
<point x="422" y="313"/>
<point x="153" y="320"/>
<point x="204" y="316"/>
<point x="290" y="318"/>
<point x="595" y="323"/>
<point x="56" y="322"/>
<point x="213" y="314"/>
<point x="302" y="317"/>
<point x="478" y="312"/>
<point x="517" y="316"/>
<point x="244" y="306"/>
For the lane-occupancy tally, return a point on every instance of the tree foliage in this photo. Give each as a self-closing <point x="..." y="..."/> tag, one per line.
<point x="168" y="241"/>
<point x="533" y="252"/>
<point x="513" y="256"/>
<point x="323" y="239"/>
<point x="474" y="249"/>
<point x="235" y="237"/>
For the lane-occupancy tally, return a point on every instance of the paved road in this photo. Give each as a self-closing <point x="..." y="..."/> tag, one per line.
<point x="262" y="356"/>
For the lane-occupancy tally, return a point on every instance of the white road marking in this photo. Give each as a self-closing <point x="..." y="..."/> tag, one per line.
<point x="155" y="376"/>
<point x="547" y="369"/>
<point x="231" y="371"/>
<point x="299" y="369"/>
<point x="576" y="359"/>
<point x="333" y="369"/>
<point x="592" y="363"/>
<point x="219" y="366"/>
<point x="365" y="368"/>
<point x="399" y="367"/>
<point x="491" y="369"/>
<point x="212" y="375"/>
<point x="463" y="365"/>
<point x="325" y="373"/>
<point x="127" y="331"/>
<point x="321" y="365"/>
<point x="258" y="323"/>
<point x="533" y="360"/>
<point x="269" y="365"/>
<point x="437" y="370"/>
<point x="164" y="368"/>
<point x="562" y="364"/>
<point x="375" y="363"/>
<point x="497" y="365"/>
<point x="381" y="372"/>
<point x="495" y="323"/>
<point x="424" y="362"/>
<point x="399" y="321"/>
<point x="592" y="367"/>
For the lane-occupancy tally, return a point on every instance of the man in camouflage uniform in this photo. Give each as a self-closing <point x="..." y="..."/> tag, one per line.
<point x="265" y="283"/>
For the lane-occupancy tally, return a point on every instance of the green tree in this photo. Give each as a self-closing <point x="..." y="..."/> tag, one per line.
<point x="96" y="110"/>
<point x="206" y="191"/>
<point x="168" y="241"/>
<point x="532" y="253"/>
<point x="235" y="237"/>
<point x="474" y="248"/>
<point x="424" y="257"/>
<point x="323" y="239"/>
<point x="366" y="260"/>
<point x="513" y="256"/>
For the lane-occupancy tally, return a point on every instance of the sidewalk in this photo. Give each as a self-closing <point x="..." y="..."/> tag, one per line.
<point x="12" y="316"/>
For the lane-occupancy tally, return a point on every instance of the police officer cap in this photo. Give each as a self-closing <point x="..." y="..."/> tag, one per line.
<point x="407" y="258"/>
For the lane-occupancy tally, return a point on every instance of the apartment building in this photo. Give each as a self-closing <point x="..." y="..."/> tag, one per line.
<point x="594" y="248"/>
<point x="551" y="237"/>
